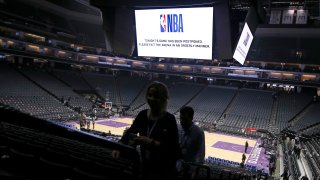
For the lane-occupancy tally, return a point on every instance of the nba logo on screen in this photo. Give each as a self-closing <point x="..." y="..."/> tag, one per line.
<point x="171" y="23"/>
<point x="163" y="23"/>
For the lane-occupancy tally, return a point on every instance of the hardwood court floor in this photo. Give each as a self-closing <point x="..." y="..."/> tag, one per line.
<point x="221" y="146"/>
<point x="227" y="147"/>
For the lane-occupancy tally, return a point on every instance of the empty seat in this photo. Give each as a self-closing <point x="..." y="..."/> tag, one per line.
<point x="82" y="174"/>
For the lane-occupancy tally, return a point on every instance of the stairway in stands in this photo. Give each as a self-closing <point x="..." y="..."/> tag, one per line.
<point x="301" y="114"/>
<point x="226" y="111"/>
<point x="272" y="122"/>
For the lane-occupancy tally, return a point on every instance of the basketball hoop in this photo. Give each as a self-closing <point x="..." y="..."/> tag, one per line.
<point x="108" y="105"/>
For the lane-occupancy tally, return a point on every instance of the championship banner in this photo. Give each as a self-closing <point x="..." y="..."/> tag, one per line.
<point x="302" y="17"/>
<point x="287" y="16"/>
<point x="275" y="17"/>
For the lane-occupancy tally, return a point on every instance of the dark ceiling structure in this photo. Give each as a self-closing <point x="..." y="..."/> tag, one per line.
<point x="311" y="5"/>
<point x="297" y="37"/>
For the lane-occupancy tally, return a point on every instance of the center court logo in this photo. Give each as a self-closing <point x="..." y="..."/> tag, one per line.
<point x="171" y="23"/>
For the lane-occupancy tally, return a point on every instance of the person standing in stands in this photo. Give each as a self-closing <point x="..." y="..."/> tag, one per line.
<point x="285" y="174"/>
<point x="156" y="131"/>
<point x="246" y="147"/>
<point x="62" y="100"/>
<point x="93" y="116"/>
<point x="82" y="120"/>
<point x="93" y="119"/>
<point x="244" y="157"/>
<point x="88" y="123"/>
<point x="192" y="141"/>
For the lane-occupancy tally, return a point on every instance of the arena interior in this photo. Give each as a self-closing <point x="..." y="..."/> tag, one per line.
<point x="61" y="58"/>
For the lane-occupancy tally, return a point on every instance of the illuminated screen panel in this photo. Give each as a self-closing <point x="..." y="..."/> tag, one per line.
<point x="243" y="45"/>
<point x="176" y="33"/>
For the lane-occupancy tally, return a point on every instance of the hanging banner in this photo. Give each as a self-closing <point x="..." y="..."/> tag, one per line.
<point x="275" y="17"/>
<point x="287" y="16"/>
<point x="302" y="17"/>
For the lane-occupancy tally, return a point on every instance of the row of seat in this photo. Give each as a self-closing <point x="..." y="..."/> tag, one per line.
<point x="28" y="152"/>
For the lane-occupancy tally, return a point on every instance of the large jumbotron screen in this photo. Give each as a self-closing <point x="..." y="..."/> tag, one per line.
<point x="175" y="32"/>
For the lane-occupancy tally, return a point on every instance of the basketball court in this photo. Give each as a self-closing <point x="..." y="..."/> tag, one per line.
<point x="218" y="146"/>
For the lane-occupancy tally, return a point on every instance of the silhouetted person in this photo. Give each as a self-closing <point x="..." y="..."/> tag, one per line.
<point x="242" y="165"/>
<point x="243" y="158"/>
<point x="246" y="147"/>
<point x="285" y="174"/>
<point x="155" y="130"/>
<point x="93" y="117"/>
<point x="93" y="120"/>
<point x="192" y="140"/>
<point x="88" y="123"/>
<point x="82" y="120"/>
<point x="297" y="151"/>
